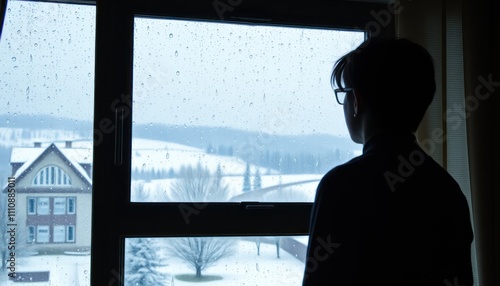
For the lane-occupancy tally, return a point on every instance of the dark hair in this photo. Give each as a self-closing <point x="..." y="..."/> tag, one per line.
<point x="394" y="76"/>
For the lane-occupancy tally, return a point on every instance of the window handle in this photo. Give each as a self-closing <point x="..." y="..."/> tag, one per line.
<point x="250" y="207"/>
<point x="119" y="117"/>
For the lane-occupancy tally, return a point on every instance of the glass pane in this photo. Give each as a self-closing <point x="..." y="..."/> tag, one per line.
<point x="47" y="87"/>
<point x="226" y="112"/>
<point x="215" y="260"/>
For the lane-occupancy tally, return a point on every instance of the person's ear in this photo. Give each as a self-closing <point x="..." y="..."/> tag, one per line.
<point x="358" y="103"/>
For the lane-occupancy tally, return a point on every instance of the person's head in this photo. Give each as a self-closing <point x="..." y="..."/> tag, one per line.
<point x="393" y="84"/>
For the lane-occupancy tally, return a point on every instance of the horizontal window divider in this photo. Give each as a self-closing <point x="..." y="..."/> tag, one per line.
<point x="213" y="219"/>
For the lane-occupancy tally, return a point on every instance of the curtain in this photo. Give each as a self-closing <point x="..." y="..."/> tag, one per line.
<point x="462" y="36"/>
<point x="3" y="8"/>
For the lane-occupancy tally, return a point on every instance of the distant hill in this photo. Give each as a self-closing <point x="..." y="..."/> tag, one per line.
<point x="241" y="141"/>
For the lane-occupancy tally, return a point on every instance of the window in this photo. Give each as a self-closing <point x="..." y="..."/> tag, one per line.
<point x="71" y="205"/>
<point x="47" y="56"/>
<point x="31" y="234"/>
<point x="31" y="206"/>
<point x="52" y="176"/>
<point x="161" y="57"/>
<point x="43" y="207"/>
<point x="43" y="235"/>
<point x="59" y="233"/>
<point x="70" y="233"/>
<point x="59" y="206"/>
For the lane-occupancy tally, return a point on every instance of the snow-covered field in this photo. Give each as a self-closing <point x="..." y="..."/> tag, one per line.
<point x="242" y="268"/>
<point x="246" y="268"/>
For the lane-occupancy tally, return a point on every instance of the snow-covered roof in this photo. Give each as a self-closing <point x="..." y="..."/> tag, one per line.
<point x="75" y="157"/>
<point x="80" y="152"/>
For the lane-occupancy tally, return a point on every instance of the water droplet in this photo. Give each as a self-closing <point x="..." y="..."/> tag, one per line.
<point x="31" y="58"/>
<point x="176" y="53"/>
<point x="171" y="36"/>
<point x="251" y="56"/>
<point x="167" y="156"/>
<point x="36" y="44"/>
<point x="178" y="73"/>
<point x="89" y="74"/>
<point x="28" y="91"/>
<point x="14" y="59"/>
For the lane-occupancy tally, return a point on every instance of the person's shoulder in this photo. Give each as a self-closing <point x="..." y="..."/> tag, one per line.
<point x="345" y="171"/>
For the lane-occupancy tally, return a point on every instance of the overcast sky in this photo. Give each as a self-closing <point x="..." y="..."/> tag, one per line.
<point x="185" y="73"/>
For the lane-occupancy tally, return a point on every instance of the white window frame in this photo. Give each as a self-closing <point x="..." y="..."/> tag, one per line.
<point x="42" y="238"/>
<point x="71" y="201"/>
<point x="29" y="201"/>
<point x="59" y="205"/>
<point x="70" y="229"/>
<point x="31" y="234"/>
<point x="41" y="207"/>
<point x="59" y="234"/>
<point x="51" y="175"/>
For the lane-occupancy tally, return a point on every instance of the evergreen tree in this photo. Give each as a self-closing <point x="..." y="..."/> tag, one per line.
<point x="142" y="263"/>
<point x="257" y="181"/>
<point x="246" y="179"/>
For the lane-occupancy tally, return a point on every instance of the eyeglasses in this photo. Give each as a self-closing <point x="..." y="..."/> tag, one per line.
<point x="340" y="94"/>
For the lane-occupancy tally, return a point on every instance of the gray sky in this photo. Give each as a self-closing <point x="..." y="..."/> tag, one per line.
<point x="185" y="73"/>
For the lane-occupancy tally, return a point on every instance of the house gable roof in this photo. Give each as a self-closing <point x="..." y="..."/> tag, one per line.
<point x="39" y="153"/>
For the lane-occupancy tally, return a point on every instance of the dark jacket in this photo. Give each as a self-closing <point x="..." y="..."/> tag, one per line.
<point x="391" y="216"/>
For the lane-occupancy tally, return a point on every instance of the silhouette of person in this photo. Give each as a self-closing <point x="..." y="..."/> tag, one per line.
<point x="392" y="216"/>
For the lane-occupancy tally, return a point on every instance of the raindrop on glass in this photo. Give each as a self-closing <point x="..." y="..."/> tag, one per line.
<point x="171" y="36"/>
<point x="28" y="91"/>
<point x="177" y="73"/>
<point x="176" y="53"/>
<point x="13" y="59"/>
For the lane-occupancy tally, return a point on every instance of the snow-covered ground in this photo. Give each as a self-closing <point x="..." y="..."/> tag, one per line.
<point x="245" y="267"/>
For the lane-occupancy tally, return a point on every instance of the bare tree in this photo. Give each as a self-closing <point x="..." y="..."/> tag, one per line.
<point x="198" y="185"/>
<point x="201" y="252"/>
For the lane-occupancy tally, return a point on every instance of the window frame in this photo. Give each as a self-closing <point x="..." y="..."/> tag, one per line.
<point x="61" y="227"/>
<point x="61" y="199"/>
<point x="113" y="124"/>
<point x="40" y="227"/>
<point x="38" y="199"/>
<point x="72" y="227"/>
<point x="30" y="200"/>
<point x="31" y="234"/>
<point x="71" y="201"/>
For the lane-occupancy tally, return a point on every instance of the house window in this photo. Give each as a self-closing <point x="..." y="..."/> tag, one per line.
<point x="43" y="234"/>
<point x="51" y="176"/>
<point x="43" y="207"/>
<point x="59" y="206"/>
<point x="71" y="205"/>
<point x="59" y="233"/>
<point x="31" y="234"/>
<point x="31" y="206"/>
<point x="70" y="233"/>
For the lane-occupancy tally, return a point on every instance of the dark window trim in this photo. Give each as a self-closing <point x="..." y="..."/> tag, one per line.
<point x="112" y="222"/>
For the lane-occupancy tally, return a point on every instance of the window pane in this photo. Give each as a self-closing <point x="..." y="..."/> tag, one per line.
<point x="215" y="260"/>
<point x="59" y="205"/>
<point x="47" y="87"/>
<point x="226" y="112"/>
<point x="43" y="206"/>
<point x="42" y="234"/>
<point x="59" y="233"/>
